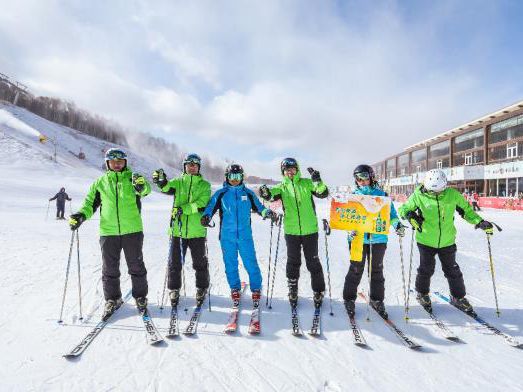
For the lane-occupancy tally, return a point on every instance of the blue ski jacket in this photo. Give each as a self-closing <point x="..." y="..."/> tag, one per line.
<point x="394" y="220"/>
<point x="235" y="204"/>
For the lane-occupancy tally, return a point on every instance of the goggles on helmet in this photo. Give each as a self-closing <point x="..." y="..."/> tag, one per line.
<point x="362" y="176"/>
<point x="112" y="155"/>
<point x="235" y="176"/>
<point x="192" y="158"/>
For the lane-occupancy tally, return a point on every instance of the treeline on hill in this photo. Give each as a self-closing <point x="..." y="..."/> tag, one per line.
<point x="66" y="113"/>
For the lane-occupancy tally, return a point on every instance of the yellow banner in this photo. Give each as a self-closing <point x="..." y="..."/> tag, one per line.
<point x="362" y="214"/>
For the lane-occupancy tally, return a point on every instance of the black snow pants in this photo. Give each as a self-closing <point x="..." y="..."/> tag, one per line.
<point x="376" y="252"/>
<point x="312" y="260"/>
<point x="200" y="261"/>
<point x="132" y="248"/>
<point x="60" y="209"/>
<point x="447" y="257"/>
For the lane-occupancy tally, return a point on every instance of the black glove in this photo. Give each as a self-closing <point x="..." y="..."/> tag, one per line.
<point x="205" y="220"/>
<point x="415" y="220"/>
<point x="272" y="216"/>
<point x="326" y="227"/>
<point x="315" y="175"/>
<point x="400" y="229"/>
<point x="159" y="178"/>
<point x="265" y="192"/>
<point x="486" y="226"/>
<point x="138" y="182"/>
<point x="76" y="220"/>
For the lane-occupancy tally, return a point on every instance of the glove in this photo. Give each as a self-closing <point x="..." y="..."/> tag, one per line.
<point x="486" y="226"/>
<point x="265" y="192"/>
<point x="76" y="220"/>
<point x="400" y="229"/>
<point x="315" y="175"/>
<point x="205" y="220"/>
<point x="177" y="212"/>
<point x="415" y="220"/>
<point x="159" y="178"/>
<point x="271" y="215"/>
<point x="138" y="182"/>
<point x="351" y="235"/>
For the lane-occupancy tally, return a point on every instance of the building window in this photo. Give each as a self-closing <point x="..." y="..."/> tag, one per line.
<point x="512" y="150"/>
<point x="468" y="159"/>
<point x="439" y="164"/>
<point x="418" y="169"/>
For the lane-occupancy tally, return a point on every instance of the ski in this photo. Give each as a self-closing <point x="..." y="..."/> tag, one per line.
<point x="232" y="323"/>
<point x="174" y="330"/>
<point x="406" y="340"/>
<point x="152" y="334"/>
<point x="193" y="322"/>
<point x="357" y="336"/>
<point x="295" y="321"/>
<point x="316" y="323"/>
<point x="510" y="340"/>
<point x="254" y="324"/>
<point x="441" y="327"/>
<point x="88" y="339"/>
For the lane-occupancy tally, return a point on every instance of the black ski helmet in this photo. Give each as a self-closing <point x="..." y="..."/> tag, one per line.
<point x="234" y="168"/>
<point x="288" y="163"/>
<point x="365" y="169"/>
<point x="114" y="153"/>
<point x="192" y="158"/>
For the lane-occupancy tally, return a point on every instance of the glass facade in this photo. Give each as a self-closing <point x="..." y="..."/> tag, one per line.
<point x="403" y="165"/>
<point x="469" y="141"/>
<point x="418" y="161"/>
<point x="506" y="130"/>
<point x="439" y="155"/>
<point x="391" y="168"/>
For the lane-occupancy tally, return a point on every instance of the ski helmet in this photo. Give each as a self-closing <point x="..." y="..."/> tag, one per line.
<point x="234" y="172"/>
<point x="288" y="163"/>
<point x="114" y="154"/>
<point x="435" y="180"/>
<point x="364" y="172"/>
<point x="192" y="158"/>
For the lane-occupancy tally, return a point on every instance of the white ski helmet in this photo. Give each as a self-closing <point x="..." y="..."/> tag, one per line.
<point x="435" y="180"/>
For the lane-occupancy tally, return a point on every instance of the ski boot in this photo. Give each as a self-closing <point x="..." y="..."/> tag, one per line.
<point x="111" y="305"/>
<point x="379" y="307"/>
<point x="141" y="304"/>
<point x="174" y="295"/>
<point x="317" y="299"/>
<point x="350" y="307"/>
<point x="462" y="304"/>
<point x="235" y="295"/>
<point x="424" y="300"/>
<point x="293" y="292"/>
<point x="200" y="296"/>
<point x="256" y="296"/>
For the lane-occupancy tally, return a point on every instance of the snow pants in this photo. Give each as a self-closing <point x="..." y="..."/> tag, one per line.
<point x="245" y="247"/>
<point x="200" y="263"/>
<point x="475" y="206"/>
<point x="376" y="253"/>
<point x="447" y="257"/>
<point x="309" y="243"/>
<point x="111" y="249"/>
<point x="60" y="209"/>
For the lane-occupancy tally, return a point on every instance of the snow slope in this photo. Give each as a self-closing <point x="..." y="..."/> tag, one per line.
<point x="33" y="260"/>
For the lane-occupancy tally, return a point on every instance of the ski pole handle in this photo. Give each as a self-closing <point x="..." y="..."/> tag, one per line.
<point x="326" y="227"/>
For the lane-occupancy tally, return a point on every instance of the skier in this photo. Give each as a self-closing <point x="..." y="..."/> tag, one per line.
<point x="300" y="225"/>
<point x="475" y="200"/>
<point x="235" y="202"/>
<point x="430" y="210"/>
<point x="118" y="193"/>
<point x="60" y="197"/>
<point x="374" y="247"/>
<point x="191" y="195"/>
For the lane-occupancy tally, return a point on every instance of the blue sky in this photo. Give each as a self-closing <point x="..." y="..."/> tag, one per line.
<point x="334" y="83"/>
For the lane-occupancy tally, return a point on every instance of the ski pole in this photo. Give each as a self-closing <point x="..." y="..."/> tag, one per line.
<point x="369" y="274"/>
<point x="275" y="259"/>
<point x="269" y="266"/>
<point x="327" y="231"/>
<point x="493" y="274"/>
<point x="66" y="275"/>
<point x="47" y="213"/>
<point x="410" y="274"/>
<point x="79" y="279"/>
<point x="210" y="284"/>
<point x="169" y="258"/>
<point x="182" y="259"/>
<point x="400" y="239"/>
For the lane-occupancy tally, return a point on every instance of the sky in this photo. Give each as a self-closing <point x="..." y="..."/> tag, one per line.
<point x="332" y="83"/>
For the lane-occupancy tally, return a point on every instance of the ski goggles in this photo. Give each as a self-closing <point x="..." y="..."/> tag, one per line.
<point x="193" y="158"/>
<point x="289" y="162"/>
<point x="235" y="176"/>
<point x="115" y="155"/>
<point x="362" y="176"/>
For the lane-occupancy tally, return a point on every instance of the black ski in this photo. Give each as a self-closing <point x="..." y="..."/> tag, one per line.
<point x="357" y="336"/>
<point x="88" y="339"/>
<point x="174" y="330"/>
<point x="295" y="321"/>
<point x="406" y="340"/>
<point x="193" y="322"/>
<point x="316" y="323"/>
<point x="152" y="334"/>
<point x="510" y="340"/>
<point x="441" y="327"/>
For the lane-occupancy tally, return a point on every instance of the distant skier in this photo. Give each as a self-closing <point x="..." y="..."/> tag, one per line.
<point x="235" y="202"/>
<point x="118" y="193"/>
<point x="475" y="201"/>
<point x="191" y="195"/>
<point x="300" y="225"/>
<point x="430" y="210"/>
<point x="60" y="198"/>
<point x="374" y="246"/>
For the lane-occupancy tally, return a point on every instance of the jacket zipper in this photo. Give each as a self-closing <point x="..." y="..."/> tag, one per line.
<point x="237" y="218"/>
<point x="297" y="206"/>
<point x="117" y="212"/>
<point x="187" y="220"/>
<point x="439" y="221"/>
